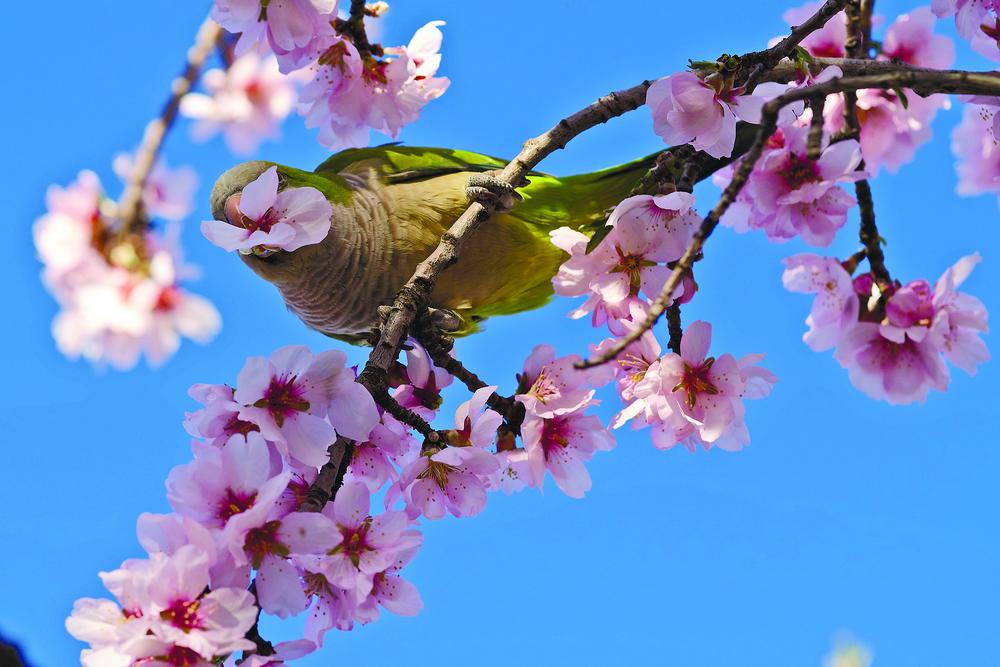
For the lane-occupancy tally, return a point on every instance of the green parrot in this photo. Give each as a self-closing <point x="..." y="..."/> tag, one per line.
<point x="392" y="203"/>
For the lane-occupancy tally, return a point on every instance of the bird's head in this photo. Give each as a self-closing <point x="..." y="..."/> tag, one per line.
<point x="277" y="266"/>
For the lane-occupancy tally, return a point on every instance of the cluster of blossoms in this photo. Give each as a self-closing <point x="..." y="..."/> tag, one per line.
<point x="687" y="397"/>
<point x="347" y="92"/>
<point x="119" y="290"/>
<point x="893" y="339"/>
<point x="242" y="541"/>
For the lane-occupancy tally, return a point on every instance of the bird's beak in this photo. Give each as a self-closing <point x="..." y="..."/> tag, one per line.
<point x="232" y="211"/>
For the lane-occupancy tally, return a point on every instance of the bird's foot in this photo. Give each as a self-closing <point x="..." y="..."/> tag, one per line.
<point x="432" y="329"/>
<point x="490" y="190"/>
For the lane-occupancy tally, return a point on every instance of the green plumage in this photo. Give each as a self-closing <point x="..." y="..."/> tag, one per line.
<point x="505" y="268"/>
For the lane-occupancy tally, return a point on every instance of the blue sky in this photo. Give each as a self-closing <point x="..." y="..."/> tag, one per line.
<point x="843" y="514"/>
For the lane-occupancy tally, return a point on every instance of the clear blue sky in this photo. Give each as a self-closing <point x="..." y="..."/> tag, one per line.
<point x="843" y="514"/>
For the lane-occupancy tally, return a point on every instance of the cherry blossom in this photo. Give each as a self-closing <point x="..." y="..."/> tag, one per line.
<point x="421" y="391"/>
<point x="247" y="102"/>
<point x="975" y="145"/>
<point x="977" y="21"/>
<point x="561" y="444"/>
<point x="263" y="220"/>
<point x="688" y="109"/>
<point x="350" y="95"/>
<point x="789" y="194"/>
<point x="166" y="612"/>
<point x="550" y="386"/>
<point x="835" y="308"/>
<point x="911" y="39"/>
<point x="646" y="233"/>
<point x="828" y="41"/>
<point x="704" y="395"/>
<point x="293" y="29"/>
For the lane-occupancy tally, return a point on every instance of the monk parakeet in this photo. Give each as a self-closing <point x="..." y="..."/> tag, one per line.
<point x="391" y="205"/>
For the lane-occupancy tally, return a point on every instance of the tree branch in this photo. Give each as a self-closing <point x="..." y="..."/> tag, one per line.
<point x="931" y="81"/>
<point x="414" y="297"/>
<point x="130" y="209"/>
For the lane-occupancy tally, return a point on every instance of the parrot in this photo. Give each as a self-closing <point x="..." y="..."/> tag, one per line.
<point x="392" y="203"/>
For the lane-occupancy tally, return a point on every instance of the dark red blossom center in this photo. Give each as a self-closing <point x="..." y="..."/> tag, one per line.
<point x="283" y="398"/>
<point x="183" y="614"/>
<point x="268" y="220"/>
<point x="799" y="171"/>
<point x="235" y="502"/>
<point x="554" y="437"/>
<point x="632" y="266"/>
<point x="263" y="541"/>
<point x="167" y="300"/>
<point x="354" y="542"/>
<point x="182" y="656"/>
<point x="236" y="425"/>
<point x="696" y="380"/>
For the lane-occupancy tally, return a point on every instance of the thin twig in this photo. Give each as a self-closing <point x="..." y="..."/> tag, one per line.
<point x="674" y="327"/>
<point x="354" y="27"/>
<point x="934" y="81"/>
<point x="130" y="209"/>
<point x="769" y="58"/>
<point x="814" y="143"/>
<point x="856" y="46"/>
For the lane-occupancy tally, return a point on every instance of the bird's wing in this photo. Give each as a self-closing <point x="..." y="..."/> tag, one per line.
<point x="406" y="164"/>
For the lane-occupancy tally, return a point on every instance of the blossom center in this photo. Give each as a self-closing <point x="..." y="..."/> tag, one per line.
<point x="235" y="502"/>
<point x="263" y="541"/>
<point x="268" y="220"/>
<point x="183" y="614"/>
<point x="696" y="380"/>
<point x="283" y="398"/>
<point x="631" y="265"/>
<point x="354" y="542"/>
<point x="182" y="656"/>
<point x="438" y="472"/>
<point x="554" y="437"/>
<point x="799" y="171"/>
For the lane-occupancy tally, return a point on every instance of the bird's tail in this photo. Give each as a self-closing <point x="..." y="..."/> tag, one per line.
<point x="581" y="201"/>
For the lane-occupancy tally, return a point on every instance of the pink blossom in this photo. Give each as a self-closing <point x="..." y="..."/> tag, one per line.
<point x="168" y="193"/>
<point x="294" y="29"/>
<point x="166" y="613"/>
<point x="911" y="39"/>
<point x="373" y="460"/>
<point x="283" y="652"/>
<point x="687" y="109"/>
<point x="828" y="41"/>
<point x="835" y="308"/>
<point x="220" y="418"/>
<point x="789" y="194"/>
<point x="890" y="133"/>
<point x="647" y="232"/>
<point x="247" y="102"/>
<point x="895" y="371"/>
<point x="562" y="444"/>
<point x="349" y="95"/>
<point x="263" y="220"/>
<point x="977" y="21"/>
<point x="424" y="382"/>
<point x="959" y="318"/>
<point x="65" y="235"/>
<point x="550" y="386"/>
<point x="513" y="473"/>
<point x="229" y="489"/>
<point x="364" y="545"/>
<point x="706" y="393"/>
<point x="974" y="143"/>
<point x="899" y="358"/>
<point x="289" y="396"/>
<point x="391" y="591"/>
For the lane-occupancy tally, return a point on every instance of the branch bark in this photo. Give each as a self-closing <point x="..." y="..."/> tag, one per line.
<point x="130" y="208"/>
<point x="931" y="81"/>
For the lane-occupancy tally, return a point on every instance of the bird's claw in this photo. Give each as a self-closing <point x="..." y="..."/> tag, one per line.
<point x="432" y="329"/>
<point x="490" y="190"/>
